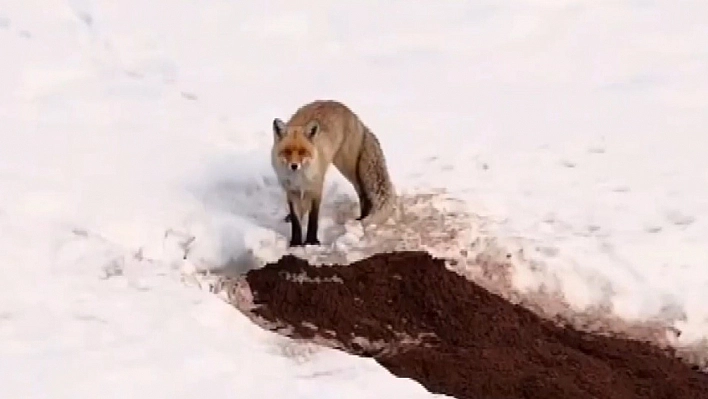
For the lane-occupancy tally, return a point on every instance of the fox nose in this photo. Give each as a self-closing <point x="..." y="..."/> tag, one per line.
<point x="294" y="166"/>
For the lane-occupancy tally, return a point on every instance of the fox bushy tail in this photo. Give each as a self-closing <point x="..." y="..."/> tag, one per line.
<point x="375" y="181"/>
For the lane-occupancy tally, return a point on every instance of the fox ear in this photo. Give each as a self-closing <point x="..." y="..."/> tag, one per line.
<point x="312" y="129"/>
<point x="278" y="127"/>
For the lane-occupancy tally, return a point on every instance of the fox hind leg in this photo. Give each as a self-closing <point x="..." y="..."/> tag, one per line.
<point x="375" y="182"/>
<point x="349" y="167"/>
<point x="365" y="204"/>
<point x="364" y="207"/>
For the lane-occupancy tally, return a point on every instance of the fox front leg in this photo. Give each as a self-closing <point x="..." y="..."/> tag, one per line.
<point x="295" y="227"/>
<point x="313" y="223"/>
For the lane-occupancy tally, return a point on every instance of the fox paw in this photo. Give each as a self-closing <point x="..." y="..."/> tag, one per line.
<point x="312" y="241"/>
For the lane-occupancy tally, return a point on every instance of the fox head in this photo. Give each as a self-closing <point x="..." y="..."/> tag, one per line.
<point x="293" y="145"/>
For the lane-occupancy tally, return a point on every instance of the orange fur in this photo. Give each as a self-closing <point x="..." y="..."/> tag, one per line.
<point x="295" y="149"/>
<point x="320" y="134"/>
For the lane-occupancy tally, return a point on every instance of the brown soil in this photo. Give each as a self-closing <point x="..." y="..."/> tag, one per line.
<point x="422" y="321"/>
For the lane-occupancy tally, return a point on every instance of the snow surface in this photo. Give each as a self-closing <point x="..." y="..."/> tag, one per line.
<point x="137" y="133"/>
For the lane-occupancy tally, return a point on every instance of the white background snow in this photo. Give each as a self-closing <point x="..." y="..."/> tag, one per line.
<point x="134" y="131"/>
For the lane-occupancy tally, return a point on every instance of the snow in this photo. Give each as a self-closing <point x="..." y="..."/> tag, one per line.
<point x="135" y="134"/>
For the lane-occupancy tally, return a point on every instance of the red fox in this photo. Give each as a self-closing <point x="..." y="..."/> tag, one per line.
<point x="318" y="134"/>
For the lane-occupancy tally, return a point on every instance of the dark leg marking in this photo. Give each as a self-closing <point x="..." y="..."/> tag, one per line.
<point x="313" y="224"/>
<point x="365" y="204"/>
<point x="295" y="228"/>
<point x="365" y="207"/>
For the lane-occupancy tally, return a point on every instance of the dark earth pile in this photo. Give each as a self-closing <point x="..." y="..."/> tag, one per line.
<point x="470" y="342"/>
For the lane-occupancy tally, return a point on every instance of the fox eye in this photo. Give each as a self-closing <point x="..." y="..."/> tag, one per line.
<point x="287" y="152"/>
<point x="302" y="153"/>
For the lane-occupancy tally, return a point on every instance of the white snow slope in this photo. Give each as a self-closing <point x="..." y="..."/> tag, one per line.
<point x="134" y="132"/>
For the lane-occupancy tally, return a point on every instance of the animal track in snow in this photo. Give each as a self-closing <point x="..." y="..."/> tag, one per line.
<point x="679" y="219"/>
<point x="568" y="164"/>
<point x="653" y="229"/>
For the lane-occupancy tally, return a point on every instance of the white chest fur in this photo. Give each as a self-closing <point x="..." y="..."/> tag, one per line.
<point x="297" y="180"/>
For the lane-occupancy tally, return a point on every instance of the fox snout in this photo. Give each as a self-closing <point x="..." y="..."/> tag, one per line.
<point x="295" y="165"/>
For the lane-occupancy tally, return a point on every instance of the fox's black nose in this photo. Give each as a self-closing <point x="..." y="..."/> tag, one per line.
<point x="294" y="166"/>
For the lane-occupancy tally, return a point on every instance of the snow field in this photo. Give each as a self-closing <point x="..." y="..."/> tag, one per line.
<point x="135" y="134"/>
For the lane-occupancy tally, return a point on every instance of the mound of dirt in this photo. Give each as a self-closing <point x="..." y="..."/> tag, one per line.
<point x="422" y="321"/>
